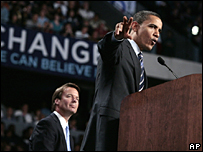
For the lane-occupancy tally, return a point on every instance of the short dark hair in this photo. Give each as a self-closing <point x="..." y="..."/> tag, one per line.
<point x="143" y="15"/>
<point x="59" y="91"/>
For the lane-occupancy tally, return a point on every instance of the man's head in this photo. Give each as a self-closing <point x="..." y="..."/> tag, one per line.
<point x="65" y="99"/>
<point x="146" y="28"/>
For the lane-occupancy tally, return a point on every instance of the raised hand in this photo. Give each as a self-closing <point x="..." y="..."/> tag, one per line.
<point x="122" y="29"/>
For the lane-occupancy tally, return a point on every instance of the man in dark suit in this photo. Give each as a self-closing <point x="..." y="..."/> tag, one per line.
<point x="118" y="75"/>
<point x="50" y="132"/>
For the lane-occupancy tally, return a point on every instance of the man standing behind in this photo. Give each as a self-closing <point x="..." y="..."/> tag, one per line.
<point x="120" y="72"/>
<point x="50" y="133"/>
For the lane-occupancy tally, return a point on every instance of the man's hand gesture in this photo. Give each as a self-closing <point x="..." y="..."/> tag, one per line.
<point x="122" y="29"/>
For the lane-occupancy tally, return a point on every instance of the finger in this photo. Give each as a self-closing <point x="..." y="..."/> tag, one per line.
<point x="130" y="21"/>
<point x="118" y="28"/>
<point x="117" y="31"/>
<point x="125" y="19"/>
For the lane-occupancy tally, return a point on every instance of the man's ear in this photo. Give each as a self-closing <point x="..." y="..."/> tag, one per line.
<point x="57" y="100"/>
<point x="135" y="26"/>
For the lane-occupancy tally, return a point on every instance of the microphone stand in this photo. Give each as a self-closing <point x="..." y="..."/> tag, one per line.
<point x="171" y="71"/>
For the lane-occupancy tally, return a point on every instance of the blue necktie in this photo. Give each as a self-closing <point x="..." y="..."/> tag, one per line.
<point x="141" y="84"/>
<point x="68" y="138"/>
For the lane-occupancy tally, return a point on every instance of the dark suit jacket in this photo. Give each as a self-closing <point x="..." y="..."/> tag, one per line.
<point x="48" y="136"/>
<point x="118" y="75"/>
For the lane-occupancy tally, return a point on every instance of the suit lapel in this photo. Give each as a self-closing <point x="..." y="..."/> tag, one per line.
<point x="58" y="124"/>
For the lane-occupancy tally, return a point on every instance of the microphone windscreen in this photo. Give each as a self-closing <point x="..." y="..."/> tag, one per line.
<point x="161" y="61"/>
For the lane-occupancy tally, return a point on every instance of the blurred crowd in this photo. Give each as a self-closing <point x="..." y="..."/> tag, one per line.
<point x="77" y="20"/>
<point x="67" y="18"/>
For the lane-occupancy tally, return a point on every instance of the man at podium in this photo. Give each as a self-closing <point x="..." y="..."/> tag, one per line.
<point x="120" y="72"/>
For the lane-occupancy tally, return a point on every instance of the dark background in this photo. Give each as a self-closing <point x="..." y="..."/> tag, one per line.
<point x="21" y="86"/>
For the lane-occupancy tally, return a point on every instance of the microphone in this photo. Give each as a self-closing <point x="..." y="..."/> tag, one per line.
<point x="162" y="62"/>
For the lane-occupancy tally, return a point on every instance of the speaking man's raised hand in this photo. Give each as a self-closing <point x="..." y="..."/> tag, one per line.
<point x="122" y="29"/>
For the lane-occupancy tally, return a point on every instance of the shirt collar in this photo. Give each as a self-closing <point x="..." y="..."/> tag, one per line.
<point x="61" y="119"/>
<point x="134" y="46"/>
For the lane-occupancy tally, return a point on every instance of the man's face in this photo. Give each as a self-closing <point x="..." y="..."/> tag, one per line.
<point x="148" y="33"/>
<point x="69" y="101"/>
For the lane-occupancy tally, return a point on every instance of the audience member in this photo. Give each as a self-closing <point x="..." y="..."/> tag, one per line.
<point x="27" y="14"/>
<point x="95" y="36"/>
<point x="62" y="6"/>
<point x="23" y="114"/>
<point x="74" y="19"/>
<point x="102" y="29"/>
<point x="82" y="34"/>
<point x="4" y="12"/>
<point x="85" y="11"/>
<point x="15" y="10"/>
<point x="15" y="21"/>
<point x="56" y="25"/>
<point x="67" y="30"/>
<point x="9" y="114"/>
<point x="47" y="28"/>
<point x="47" y="8"/>
<point x="42" y="20"/>
<point x="95" y="21"/>
<point x="59" y="12"/>
<point x="32" y="23"/>
<point x="73" y="5"/>
<point x="87" y="23"/>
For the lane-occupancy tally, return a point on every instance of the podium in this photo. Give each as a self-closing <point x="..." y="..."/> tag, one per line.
<point x="166" y="117"/>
